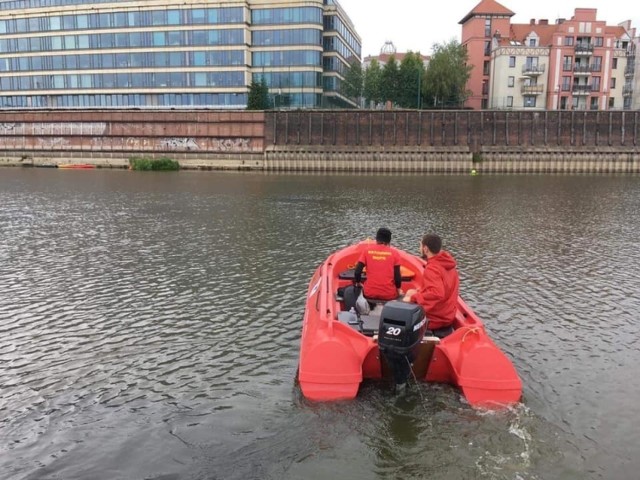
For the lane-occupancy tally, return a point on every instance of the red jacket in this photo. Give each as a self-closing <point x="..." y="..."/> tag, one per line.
<point x="380" y="261"/>
<point x="439" y="293"/>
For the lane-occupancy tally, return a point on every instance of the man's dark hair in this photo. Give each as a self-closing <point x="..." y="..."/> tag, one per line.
<point x="383" y="235"/>
<point x="433" y="242"/>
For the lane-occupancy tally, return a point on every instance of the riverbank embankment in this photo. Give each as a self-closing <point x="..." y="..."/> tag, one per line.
<point x="330" y="140"/>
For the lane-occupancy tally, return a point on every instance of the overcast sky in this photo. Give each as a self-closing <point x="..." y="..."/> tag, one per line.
<point x="418" y="24"/>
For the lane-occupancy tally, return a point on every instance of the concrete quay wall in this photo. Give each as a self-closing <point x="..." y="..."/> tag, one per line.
<point x="450" y="142"/>
<point x="108" y="138"/>
<point x="453" y="141"/>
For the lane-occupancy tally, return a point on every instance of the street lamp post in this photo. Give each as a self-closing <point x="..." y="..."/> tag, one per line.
<point x="419" y="95"/>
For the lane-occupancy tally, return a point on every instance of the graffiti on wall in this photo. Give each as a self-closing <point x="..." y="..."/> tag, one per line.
<point x="179" y="143"/>
<point x="137" y="143"/>
<point x="230" y="145"/>
<point x="53" y="128"/>
<point x="52" y="142"/>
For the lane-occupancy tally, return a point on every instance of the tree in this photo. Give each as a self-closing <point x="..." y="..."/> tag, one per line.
<point x="446" y="78"/>
<point x="352" y="86"/>
<point x="411" y="76"/>
<point x="373" y="83"/>
<point x="258" y="95"/>
<point x="390" y="81"/>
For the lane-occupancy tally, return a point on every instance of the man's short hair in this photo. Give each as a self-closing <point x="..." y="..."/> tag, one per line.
<point x="383" y="235"/>
<point x="433" y="242"/>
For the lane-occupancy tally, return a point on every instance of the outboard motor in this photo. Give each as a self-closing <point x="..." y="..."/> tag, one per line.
<point x="402" y="326"/>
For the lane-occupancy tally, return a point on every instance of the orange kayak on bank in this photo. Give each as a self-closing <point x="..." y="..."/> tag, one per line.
<point x="76" y="165"/>
<point x="340" y="348"/>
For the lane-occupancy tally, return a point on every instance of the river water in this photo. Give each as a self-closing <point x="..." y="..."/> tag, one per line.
<point x="150" y="325"/>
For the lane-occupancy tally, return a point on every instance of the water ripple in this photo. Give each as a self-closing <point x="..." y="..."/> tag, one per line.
<point x="149" y="325"/>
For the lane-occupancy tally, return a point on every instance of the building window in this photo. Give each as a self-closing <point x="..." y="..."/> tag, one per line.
<point x="568" y="41"/>
<point x="613" y="83"/>
<point x="563" y="103"/>
<point x="487" y="27"/>
<point x="615" y="63"/>
<point x="511" y="81"/>
<point x="566" y="84"/>
<point x="595" y="84"/>
<point x="509" y="101"/>
<point x="487" y="48"/>
<point x="596" y="66"/>
<point x="612" y="102"/>
<point x="532" y="42"/>
<point x="567" y="63"/>
<point x="529" y="101"/>
<point x="512" y="62"/>
<point x="485" y="67"/>
<point x="599" y="41"/>
<point x="594" y="103"/>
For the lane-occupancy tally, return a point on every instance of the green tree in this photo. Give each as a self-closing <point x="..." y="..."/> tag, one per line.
<point x="446" y="78"/>
<point x="258" y="95"/>
<point x="353" y="83"/>
<point x="411" y="76"/>
<point x="373" y="83"/>
<point x="390" y="81"/>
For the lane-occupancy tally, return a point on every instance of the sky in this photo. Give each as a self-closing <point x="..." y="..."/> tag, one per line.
<point x="417" y="24"/>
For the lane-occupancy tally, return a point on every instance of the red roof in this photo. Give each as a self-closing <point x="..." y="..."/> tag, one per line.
<point x="618" y="31"/>
<point x="487" y="7"/>
<point x="520" y="31"/>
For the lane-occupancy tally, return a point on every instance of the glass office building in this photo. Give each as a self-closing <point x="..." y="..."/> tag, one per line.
<point x="169" y="53"/>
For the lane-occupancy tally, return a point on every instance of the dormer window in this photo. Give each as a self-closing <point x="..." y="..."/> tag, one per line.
<point x="532" y="40"/>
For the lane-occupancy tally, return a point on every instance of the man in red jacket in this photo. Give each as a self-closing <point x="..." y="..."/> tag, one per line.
<point x="383" y="268"/>
<point x="438" y="295"/>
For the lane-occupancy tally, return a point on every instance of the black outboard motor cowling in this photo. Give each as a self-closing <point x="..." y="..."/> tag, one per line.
<point x="402" y="326"/>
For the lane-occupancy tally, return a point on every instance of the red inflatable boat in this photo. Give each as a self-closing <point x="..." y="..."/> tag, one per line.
<point x="339" y="348"/>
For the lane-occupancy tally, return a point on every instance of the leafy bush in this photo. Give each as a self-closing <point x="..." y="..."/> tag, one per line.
<point x="157" y="164"/>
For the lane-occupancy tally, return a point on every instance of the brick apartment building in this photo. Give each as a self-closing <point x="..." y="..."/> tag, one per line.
<point x="573" y="64"/>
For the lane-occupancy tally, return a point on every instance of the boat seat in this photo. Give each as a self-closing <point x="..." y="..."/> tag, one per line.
<point x="372" y="301"/>
<point x="439" y="332"/>
<point x="349" y="274"/>
<point x="367" y="325"/>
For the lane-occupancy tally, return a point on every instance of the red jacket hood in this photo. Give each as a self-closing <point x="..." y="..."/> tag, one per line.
<point x="444" y="259"/>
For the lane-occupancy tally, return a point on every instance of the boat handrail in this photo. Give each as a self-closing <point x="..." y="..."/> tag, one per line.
<point x="324" y="296"/>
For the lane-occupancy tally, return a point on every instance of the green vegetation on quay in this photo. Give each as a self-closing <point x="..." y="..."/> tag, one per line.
<point x="408" y="84"/>
<point x="404" y="84"/>
<point x="162" y="164"/>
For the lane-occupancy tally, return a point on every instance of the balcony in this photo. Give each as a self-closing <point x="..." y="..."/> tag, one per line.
<point x="533" y="70"/>
<point x="532" y="89"/>
<point x="581" y="89"/>
<point x="629" y="70"/>
<point x="584" y="49"/>
<point x="582" y="69"/>
<point x="627" y="91"/>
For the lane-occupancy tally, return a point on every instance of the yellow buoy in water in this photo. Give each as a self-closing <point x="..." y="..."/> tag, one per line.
<point x="474" y="172"/>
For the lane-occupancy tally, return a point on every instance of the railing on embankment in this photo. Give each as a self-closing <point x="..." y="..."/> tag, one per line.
<point x="453" y="141"/>
<point x="330" y="140"/>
